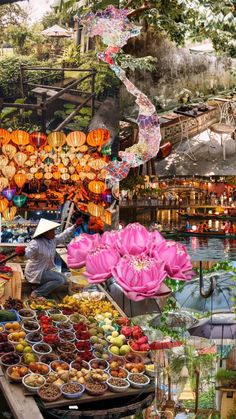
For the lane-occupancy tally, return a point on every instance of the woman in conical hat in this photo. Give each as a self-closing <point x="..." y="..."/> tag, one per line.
<point x="40" y="252"/>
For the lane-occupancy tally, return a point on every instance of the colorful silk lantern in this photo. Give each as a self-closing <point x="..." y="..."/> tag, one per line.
<point x="19" y="200"/>
<point x="65" y="148"/>
<point x="75" y="177"/>
<point x="65" y="176"/>
<point x="56" y="139"/>
<point x="108" y="218"/>
<point x="20" y="138"/>
<point x="30" y="149"/>
<point x="83" y="148"/>
<point x="76" y="139"/>
<point x="75" y="162"/>
<point x="107" y="196"/>
<point x="29" y="176"/>
<point x="97" y="164"/>
<point x="20" y="179"/>
<point x="106" y="151"/>
<point x="56" y="175"/>
<point x="9" y="171"/>
<point x="5" y="136"/>
<point x="48" y="160"/>
<point x="96" y="186"/>
<point x="3" y="204"/>
<point x="3" y="161"/>
<point x="9" y="150"/>
<point x="20" y="158"/>
<point x="71" y="170"/>
<point x="9" y="213"/>
<point x="48" y="175"/>
<point x="8" y="193"/>
<point x="47" y="148"/>
<point x="98" y="137"/>
<point x="3" y="183"/>
<point x="38" y="175"/>
<point x="95" y="210"/>
<point x="38" y="139"/>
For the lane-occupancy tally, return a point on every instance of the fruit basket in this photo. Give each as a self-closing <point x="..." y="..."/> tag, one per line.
<point x="32" y="382"/>
<point x="140" y="353"/>
<point x="49" y="392"/>
<point x="15" y="373"/>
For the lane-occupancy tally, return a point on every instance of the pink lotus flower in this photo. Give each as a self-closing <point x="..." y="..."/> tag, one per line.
<point x="79" y="248"/>
<point x="140" y="276"/>
<point x="177" y="262"/>
<point x="110" y="238"/>
<point x="133" y="240"/>
<point x="99" y="263"/>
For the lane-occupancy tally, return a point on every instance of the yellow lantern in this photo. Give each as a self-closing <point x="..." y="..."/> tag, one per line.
<point x="3" y="204"/>
<point x="65" y="176"/>
<point x="9" y="213"/>
<point x="20" y="179"/>
<point x="75" y="177"/>
<point x="76" y="139"/>
<point x="48" y="148"/>
<point x="30" y="149"/>
<point x="9" y="150"/>
<point x="96" y="186"/>
<point x="3" y="161"/>
<point x="95" y="210"/>
<point x="20" y="158"/>
<point x="74" y="162"/>
<point x="20" y="138"/>
<point x="29" y="176"/>
<point x="97" y="164"/>
<point x="56" y="139"/>
<point x="56" y="175"/>
<point x="9" y="171"/>
<point x="38" y="175"/>
<point x="71" y="170"/>
<point x="108" y="218"/>
<point x="83" y="148"/>
<point x="3" y="183"/>
<point x="48" y="175"/>
<point x="5" y="136"/>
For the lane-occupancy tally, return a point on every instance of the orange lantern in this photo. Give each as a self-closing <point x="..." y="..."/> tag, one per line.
<point x="3" y="204"/>
<point x="20" y="179"/>
<point x="48" y="175"/>
<point x="56" y="139"/>
<point x="76" y="139"/>
<point x="20" y="158"/>
<point x="9" y="171"/>
<point x="48" y="148"/>
<point x="3" y="183"/>
<point x="56" y="175"/>
<point x="29" y="148"/>
<point x="83" y="148"/>
<point x="9" y="150"/>
<point x="38" y="175"/>
<point x="108" y="218"/>
<point x="74" y="162"/>
<point x="5" y="136"/>
<point x="75" y="177"/>
<point x="96" y="186"/>
<point x="9" y="213"/>
<point x="95" y="210"/>
<point x="97" y="164"/>
<point x="20" y="138"/>
<point x="98" y="137"/>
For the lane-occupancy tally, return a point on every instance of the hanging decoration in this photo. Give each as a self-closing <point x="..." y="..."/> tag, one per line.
<point x="20" y="179"/>
<point x="5" y="136"/>
<point x="9" y="150"/>
<point x="9" y="213"/>
<point x="56" y="139"/>
<point x="20" y="158"/>
<point x="9" y="171"/>
<point x="8" y="193"/>
<point x="38" y="139"/>
<point x="98" y="138"/>
<point x="19" y="200"/>
<point x="3" y="204"/>
<point x="75" y="139"/>
<point x="115" y="29"/>
<point x="20" y="138"/>
<point x="3" y="183"/>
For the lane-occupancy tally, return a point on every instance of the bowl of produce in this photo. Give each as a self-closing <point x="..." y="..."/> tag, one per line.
<point x="3" y="337"/>
<point x="13" y="303"/>
<point x="9" y="359"/>
<point x="41" y="348"/>
<point x="150" y="370"/>
<point x="66" y="336"/>
<point x="59" y="318"/>
<point x="77" y="318"/>
<point x="9" y="316"/>
<point x="49" y="392"/>
<point x="118" y="385"/>
<point x="28" y="358"/>
<point x="98" y="375"/>
<point x="33" y="382"/>
<point x="63" y="347"/>
<point x="2" y="328"/>
<point x="79" y="364"/>
<point x="6" y="347"/>
<point x="48" y="358"/>
<point x="95" y="388"/>
<point x="133" y="367"/>
<point x="132" y="345"/>
<point x="30" y="326"/>
<point x="65" y="326"/>
<point x="11" y="327"/>
<point x="138" y="380"/>
<point x="72" y="390"/>
<point x="134" y="358"/>
<point x="39" y="368"/>
<point x="68" y="357"/>
<point x="99" y="363"/>
<point x="26" y="314"/>
<point x="15" y="337"/>
<point x="15" y="373"/>
<point x="34" y="337"/>
<point x="53" y="311"/>
<point x="118" y="373"/>
<point x="116" y="362"/>
<point x="59" y="365"/>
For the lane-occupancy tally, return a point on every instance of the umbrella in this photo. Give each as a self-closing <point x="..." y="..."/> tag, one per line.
<point x="56" y="32"/>
<point x="221" y="300"/>
<point x="175" y="319"/>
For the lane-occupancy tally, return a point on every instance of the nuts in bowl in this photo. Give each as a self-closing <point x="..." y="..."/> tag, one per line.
<point x="118" y="385"/>
<point x="49" y="392"/>
<point x="95" y="388"/>
<point x="138" y="380"/>
<point x="72" y="390"/>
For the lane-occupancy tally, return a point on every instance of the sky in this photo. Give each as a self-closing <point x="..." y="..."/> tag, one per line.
<point x="37" y="8"/>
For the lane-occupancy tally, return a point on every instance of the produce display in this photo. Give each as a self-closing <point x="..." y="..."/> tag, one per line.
<point x="81" y="345"/>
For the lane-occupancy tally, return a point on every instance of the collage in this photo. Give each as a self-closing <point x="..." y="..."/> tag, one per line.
<point x="118" y="209"/>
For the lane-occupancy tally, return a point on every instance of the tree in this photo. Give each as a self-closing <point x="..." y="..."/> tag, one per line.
<point x="18" y="35"/>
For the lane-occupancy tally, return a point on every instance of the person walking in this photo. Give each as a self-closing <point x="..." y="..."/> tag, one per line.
<point x="40" y="253"/>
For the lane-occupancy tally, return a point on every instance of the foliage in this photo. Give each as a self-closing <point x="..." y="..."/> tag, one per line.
<point x="131" y="181"/>
<point x="206" y="400"/>
<point x="10" y="75"/>
<point x="71" y="55"/>
<point x="11" y="15"/>
<point x="12" y="118"/>
<point x="57" y="17"/>
<point x="127" y="61"/>
<point x="79" y="122"/>
<point x="226" y="376"/>
<point x="17" y="36"/>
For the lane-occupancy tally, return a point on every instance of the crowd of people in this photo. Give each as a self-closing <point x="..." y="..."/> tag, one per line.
<point x="203" y="227"/>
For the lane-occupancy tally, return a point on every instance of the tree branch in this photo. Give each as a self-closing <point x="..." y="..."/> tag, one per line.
<point x="140" y="10"/>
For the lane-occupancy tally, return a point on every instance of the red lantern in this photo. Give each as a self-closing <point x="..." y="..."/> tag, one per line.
<point x="38" y="139"/>
<point x="98" y="137"/>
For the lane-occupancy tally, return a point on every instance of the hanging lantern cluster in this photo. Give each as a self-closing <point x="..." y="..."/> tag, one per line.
<point x="68" y="160"/>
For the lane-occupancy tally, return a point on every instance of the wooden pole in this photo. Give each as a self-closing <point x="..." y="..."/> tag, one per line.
<point x="197" y="374"/>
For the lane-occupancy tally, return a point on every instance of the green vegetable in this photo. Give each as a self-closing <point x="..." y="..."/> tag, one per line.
<point x="7" y="316"/>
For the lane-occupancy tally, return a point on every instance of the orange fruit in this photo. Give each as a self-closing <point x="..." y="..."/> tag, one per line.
<point x="15" y="325"/>
<point x="8" y="325"/>
<point x="21" y="334"/>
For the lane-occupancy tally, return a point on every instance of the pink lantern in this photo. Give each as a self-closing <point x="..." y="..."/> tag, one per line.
<point x="139" y="276"/>
<point x="99" y="263"/>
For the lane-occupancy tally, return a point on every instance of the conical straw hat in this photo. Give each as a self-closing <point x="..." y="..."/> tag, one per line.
<point x="43" y="226"/>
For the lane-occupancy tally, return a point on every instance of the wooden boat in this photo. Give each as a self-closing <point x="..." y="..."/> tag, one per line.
<point x="223" y="217"/>
<point x="207" y="234"/>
